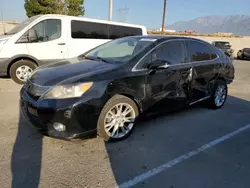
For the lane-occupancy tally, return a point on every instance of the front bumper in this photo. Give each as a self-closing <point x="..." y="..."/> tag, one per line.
<point x="79" y="116"/>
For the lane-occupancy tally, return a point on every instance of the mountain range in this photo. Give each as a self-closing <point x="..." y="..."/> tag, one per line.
<point x="236" y="24"/>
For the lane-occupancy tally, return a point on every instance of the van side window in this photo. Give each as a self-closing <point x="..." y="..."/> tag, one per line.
<point x="116" y="31"/>
<point x="172" y="52"/>
<point x="198" y="51"/>
<point x="89" y="30"/>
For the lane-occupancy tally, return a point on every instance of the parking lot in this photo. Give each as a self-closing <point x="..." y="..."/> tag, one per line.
<point x="162" y="152"/>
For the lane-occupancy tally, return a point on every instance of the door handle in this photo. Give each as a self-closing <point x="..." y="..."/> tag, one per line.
<point x="61" y="43"/>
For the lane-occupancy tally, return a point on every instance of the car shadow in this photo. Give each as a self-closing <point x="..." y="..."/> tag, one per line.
<point x="26" y="160"/>
<point x="159" y="139"/>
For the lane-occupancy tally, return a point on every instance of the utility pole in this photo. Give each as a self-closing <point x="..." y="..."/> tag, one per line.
<point x="1" y="14"/>
<point x="110" y="9"/>
<point x="163" y="17"/>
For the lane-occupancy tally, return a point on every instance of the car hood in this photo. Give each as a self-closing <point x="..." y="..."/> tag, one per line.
<point x="61" y="72"/>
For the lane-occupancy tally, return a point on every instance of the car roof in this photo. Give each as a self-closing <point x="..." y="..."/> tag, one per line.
<point x="166" y="37"/>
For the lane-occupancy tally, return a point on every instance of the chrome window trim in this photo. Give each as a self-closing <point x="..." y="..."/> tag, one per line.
<point x="184" y="40"/>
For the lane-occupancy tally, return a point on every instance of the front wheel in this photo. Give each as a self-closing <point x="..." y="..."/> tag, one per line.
<point x="21" y="70"/>
<point x="117" y="118"/>
<point x="219" y="95"/>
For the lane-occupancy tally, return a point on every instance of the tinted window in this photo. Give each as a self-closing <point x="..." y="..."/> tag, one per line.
<point x="91" y="30"/>
<point x="44" y="31"/>
<point x="198" y="51"/>
<point x="172" y="52"/>
<point x="116" y="31"/>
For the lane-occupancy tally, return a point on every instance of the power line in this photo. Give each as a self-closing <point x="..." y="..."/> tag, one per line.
<point x="123" y="11"/>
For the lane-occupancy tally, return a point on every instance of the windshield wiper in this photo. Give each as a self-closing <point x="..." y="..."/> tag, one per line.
<point x="94" y="58"/>
<point x="102" y="59"/>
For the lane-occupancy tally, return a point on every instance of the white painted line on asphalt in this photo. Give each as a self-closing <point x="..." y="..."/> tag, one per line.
<point x="180" y="159"/>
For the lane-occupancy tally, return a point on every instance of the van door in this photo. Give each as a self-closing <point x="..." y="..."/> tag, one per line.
<point x="47" y="41"/>
<point x="168" y="89"/>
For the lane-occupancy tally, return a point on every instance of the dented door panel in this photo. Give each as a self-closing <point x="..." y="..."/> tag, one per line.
<point x="168" y="89"/>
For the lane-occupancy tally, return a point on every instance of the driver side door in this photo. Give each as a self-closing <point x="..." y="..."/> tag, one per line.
<point x="47" y="41"/>
<point x="168" y="89"/>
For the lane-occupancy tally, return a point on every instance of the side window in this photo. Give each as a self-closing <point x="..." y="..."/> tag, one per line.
<point x="198" y="51"/>
<point x="89" y="30"/>
<point x="44" y="31"/>
<point x="172" y="52"/>
<point x="116" y="31"/>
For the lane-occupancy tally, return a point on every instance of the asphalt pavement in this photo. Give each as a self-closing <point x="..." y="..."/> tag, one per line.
<point x="195" y="147"/>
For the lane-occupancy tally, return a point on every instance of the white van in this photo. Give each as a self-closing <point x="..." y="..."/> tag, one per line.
<point x="49" y="38"/>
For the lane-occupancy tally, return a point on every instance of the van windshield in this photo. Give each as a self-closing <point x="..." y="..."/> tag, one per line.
<point x="22" y="25"/>
<point x="120" y="50"/>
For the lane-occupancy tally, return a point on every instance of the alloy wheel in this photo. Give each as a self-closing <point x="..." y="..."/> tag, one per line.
<point x="220" y="95"/>
<point x="119" y="120"/>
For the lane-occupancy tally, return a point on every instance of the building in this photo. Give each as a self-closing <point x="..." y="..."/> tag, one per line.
<point x="6" y="26"/>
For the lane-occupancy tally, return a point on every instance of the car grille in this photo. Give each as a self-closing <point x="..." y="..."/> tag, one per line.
<point x="35" y="91"/>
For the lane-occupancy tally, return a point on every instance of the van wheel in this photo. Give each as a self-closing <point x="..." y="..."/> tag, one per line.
<point x="219" y="95"/>
<point x="21" y="70"/>
<point x="117" y="118"/>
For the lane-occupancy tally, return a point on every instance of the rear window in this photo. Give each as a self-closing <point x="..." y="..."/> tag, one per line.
<point x="92" y="30"/>
<point x="221" y="44"/>
<point x="246" y="50"/>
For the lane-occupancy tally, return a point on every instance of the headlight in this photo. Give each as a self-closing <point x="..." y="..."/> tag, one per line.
<point x="2" y="42"/>
<point x="68" y="91"/>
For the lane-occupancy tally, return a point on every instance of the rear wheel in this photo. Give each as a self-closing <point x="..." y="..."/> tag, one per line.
<point x="219" y="95"/>
<point x="21" y="70"/>
<point x="117" y="119"/>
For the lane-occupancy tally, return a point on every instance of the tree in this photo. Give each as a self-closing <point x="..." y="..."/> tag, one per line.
<point x="68" y="7"/>
<point x="74" y="7"/>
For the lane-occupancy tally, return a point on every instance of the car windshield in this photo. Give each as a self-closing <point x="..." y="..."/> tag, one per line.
<point x="21" y="26"/>
<point x="120" y="50"/>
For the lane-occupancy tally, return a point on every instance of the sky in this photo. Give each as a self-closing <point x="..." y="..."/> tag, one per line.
<point x="144" y="12"/>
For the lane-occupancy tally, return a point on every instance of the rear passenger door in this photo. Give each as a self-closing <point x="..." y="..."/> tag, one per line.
<point x="205" y="64"/>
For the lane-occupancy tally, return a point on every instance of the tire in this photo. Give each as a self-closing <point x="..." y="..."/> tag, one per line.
<point x="106" y="115"/>
<point x="212" y="101"/>
<point x="18" y="64"/>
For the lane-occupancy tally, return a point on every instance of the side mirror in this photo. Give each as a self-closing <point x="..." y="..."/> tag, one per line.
<point x="159" y="64"/>
<point x="32" y="35"/>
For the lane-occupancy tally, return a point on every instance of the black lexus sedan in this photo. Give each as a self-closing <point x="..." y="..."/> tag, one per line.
<point x="106" y="89"/>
